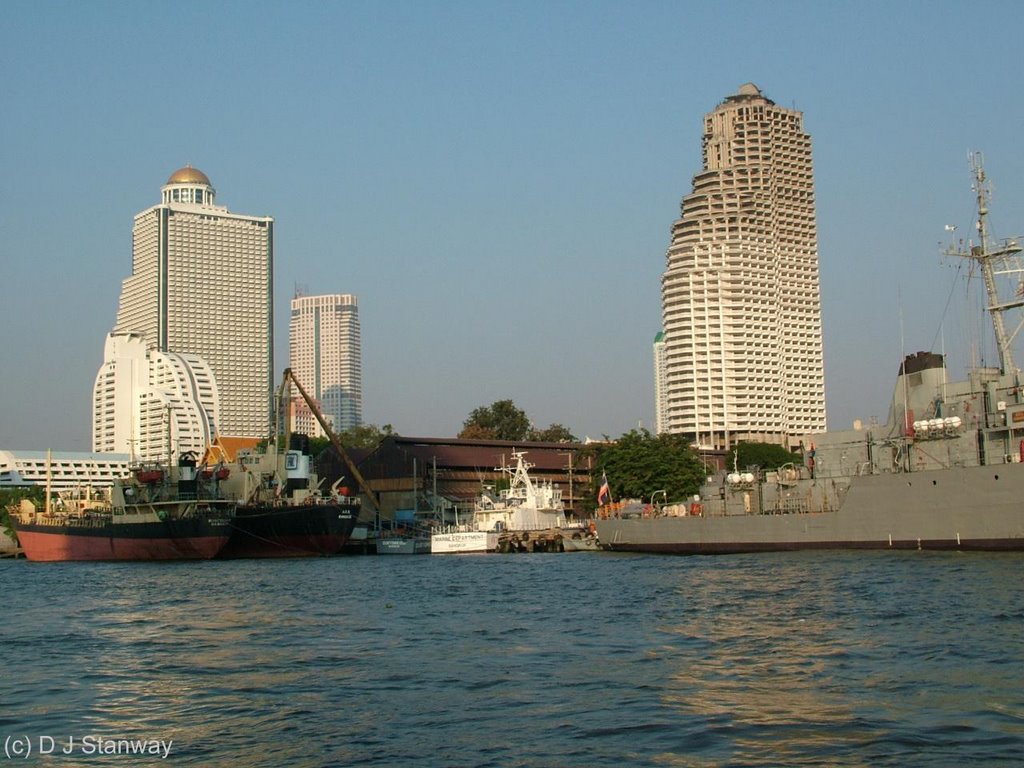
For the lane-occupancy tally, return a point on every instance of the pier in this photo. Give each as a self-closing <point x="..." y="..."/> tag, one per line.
<point x="531" y="541"/>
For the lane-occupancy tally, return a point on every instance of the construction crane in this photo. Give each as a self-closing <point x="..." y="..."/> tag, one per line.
<point x="289" y="378"/>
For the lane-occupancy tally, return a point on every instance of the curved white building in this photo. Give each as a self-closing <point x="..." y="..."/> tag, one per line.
<point x="152" y="405"/>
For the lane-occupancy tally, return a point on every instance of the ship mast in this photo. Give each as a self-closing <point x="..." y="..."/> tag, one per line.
<point x="999" y="258"/>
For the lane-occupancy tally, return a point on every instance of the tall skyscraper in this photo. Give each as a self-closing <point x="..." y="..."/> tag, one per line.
<point x="326" y="355"/>
<point x="741" y="307"/>
<point x="202" y="284"/>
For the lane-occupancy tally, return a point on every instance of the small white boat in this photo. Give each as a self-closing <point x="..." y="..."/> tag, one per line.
<point x="403" y="545"/>
<point x="581" y="541"/>
<point x="462" y="540"/>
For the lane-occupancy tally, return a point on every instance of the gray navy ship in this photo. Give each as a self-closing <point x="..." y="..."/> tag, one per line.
<point x="946" y="471"/>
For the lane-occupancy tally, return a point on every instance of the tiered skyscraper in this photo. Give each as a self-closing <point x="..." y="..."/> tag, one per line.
<point x="326" y="357"/>
<point x="741" y="309"/>
<point x="202" y="286"/>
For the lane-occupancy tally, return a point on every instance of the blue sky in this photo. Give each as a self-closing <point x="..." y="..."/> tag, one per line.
<point x="496" y="181"/>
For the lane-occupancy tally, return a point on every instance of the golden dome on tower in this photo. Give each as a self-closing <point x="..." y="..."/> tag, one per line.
<point x="189" y="175"/>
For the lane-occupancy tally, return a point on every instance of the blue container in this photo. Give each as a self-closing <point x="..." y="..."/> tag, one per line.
<point x="405" y="516"/>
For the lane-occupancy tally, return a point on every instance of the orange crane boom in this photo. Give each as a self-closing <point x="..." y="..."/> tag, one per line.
<point x="289" y="377"/>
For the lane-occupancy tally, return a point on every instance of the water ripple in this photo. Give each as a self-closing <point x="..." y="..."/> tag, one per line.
<point x="837" y="659"/>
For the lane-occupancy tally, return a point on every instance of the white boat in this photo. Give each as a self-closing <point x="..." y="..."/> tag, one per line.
<point x="524" y="506"/>
<point x="410" y="544"/>
<point x="581" y="542"/>
<point x="462" y="540"/>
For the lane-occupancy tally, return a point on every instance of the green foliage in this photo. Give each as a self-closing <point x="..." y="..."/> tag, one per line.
<point x="362" y="436"/>
<point x="501" y="420"/>
<point x="318" y="445"/>
<point x="640" y="464"/>
<point x="767" y="456"/>
<point x="555" y="433"/>
<point x="10" y="497"/>
<point x="476" y="432"/>
<point x="5" y="524"/>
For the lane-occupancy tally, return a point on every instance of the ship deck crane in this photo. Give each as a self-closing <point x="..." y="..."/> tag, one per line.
<point x="364" y="487"/>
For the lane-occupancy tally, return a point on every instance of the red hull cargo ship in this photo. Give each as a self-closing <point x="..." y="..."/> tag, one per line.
<point x="192" y="539"/>
<point x="157" y="514"/>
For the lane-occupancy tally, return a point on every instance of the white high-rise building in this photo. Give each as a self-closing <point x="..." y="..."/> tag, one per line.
<point x="202" y="284"/>
<point x="741" y="309"/>
<point x="152" y="405"/>
<point x="326" y="356"/>
<point x="660" y="390"/>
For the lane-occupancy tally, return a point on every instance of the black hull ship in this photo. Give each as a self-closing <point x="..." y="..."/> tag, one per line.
<point x="281" y="509"/>
<point x="301" y="530"/>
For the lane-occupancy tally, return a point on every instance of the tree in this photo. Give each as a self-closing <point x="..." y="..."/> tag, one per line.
<point x="364" y="435"/>
<point x="318" y="445"/>
<point x="501" y="420"/>
<point x="361" y="436"/>
<point x="639" y="465"/>
<point x="11" y="497"/>
<point x="476" y="432"/>
<point x="555" y="433"/>
<point x="767" y="456"/>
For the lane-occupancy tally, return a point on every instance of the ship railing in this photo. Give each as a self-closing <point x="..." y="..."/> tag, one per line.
<point x="317" y="500"/>
<point x="793" y="506"/>
<point x="87" y="520"/>
<point x="341" y="500"/>
<point x="864" y="468"/>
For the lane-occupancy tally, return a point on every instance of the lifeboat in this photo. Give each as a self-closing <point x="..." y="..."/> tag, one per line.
<point x="149" y="476"/>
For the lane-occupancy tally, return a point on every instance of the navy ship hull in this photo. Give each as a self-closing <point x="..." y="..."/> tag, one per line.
<point x="961" y="508"/>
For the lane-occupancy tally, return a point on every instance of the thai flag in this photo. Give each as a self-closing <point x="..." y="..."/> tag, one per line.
<point x="605" y="494"/>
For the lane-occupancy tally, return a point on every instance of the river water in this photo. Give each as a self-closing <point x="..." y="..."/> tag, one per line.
<point x="582" y="659"/>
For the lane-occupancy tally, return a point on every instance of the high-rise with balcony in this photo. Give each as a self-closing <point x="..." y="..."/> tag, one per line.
<point x="152" y="405"/>
<point x="326" y="356"/>
<point x="741" y="309"/>
<point x="202" y="285"/>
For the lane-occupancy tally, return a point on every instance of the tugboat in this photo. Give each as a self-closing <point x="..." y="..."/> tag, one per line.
<point x="156" y="514"/>
<point x="524" y="507"/>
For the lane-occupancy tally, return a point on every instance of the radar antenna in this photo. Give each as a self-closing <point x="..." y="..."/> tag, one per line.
<point x="994" y="259"/>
